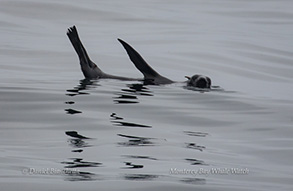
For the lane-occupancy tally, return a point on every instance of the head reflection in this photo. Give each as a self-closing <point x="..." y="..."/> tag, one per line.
<point x="78" y="141"/>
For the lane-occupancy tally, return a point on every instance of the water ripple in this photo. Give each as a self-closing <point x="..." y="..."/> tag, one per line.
<point x="136" y="141"/>
<point x="117" y="122"/>
<point x="140" y="177"/>
<point x="78" y="163"/>
<point x="129" y="96"/>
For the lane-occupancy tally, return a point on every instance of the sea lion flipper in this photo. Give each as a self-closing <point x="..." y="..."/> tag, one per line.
<point x="150" y="75"/>
<point x="77" y="44"/>
<point x="139" y="62"/>
<point x="89" y="68"/>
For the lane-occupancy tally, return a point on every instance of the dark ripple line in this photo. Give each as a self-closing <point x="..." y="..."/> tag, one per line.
<point x="81" y="176"/>
<point x="140" y="177"/>
<point x="75" y="134"/>
<point x="78" y="163"/>
<point x="139" y="157"/>
<point x="194" y="146"/>
<point x="195" y="161"/>
<point x="196" y="134"/>
<point x="125" y="124"/>
<point x="72" y="111"/>
<point x="194" y="180"/>
<point x="135" y="141"/>
<point x="132" y="166"/>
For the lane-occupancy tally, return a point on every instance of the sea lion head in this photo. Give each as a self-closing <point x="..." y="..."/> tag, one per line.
<point x="199" y="81"/>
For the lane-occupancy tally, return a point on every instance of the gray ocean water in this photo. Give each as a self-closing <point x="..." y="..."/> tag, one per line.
<point x="60" y="132"/>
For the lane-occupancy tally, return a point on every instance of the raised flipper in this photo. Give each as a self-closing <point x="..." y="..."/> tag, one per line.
<point x="150" y="75"/>
<point x="89" y="68"/>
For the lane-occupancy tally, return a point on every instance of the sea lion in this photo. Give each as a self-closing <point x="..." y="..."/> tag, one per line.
<point x="92" y="71"/>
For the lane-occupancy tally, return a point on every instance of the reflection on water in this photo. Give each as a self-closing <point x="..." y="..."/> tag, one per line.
<point x="75" y="92"/>
<point x="79" y="141"/>
<point x="129" y="96"/>
<point x="115" y="117"/>
<point x="82" y="176"/>
<point x="130" y="165"/>
<point x="138" y="89"/>
<point x="116" y="120"/>
<point x="125" y="99"/>
<point x="84" y="84"/>
<point x="140" y="177"/>
<point x="196" y="134"/>
<point x="139" y="157"/>
<point x="72" y="111"/>
<point x="195" y="161"/>
<point x="69" y="102"/>
<point x="194" y="146"/>
<point x="78" y="162"/>
<point x="127" y="124"/>
<point x="201" y="90"/>
<point x="74" y="134"/>
<point x="194" y="180"/>
<point x="136" y="141"/>
<point x="77" y="150"/>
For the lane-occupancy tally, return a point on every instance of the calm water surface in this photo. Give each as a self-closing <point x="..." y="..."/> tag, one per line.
<point x="60" y="132"/>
